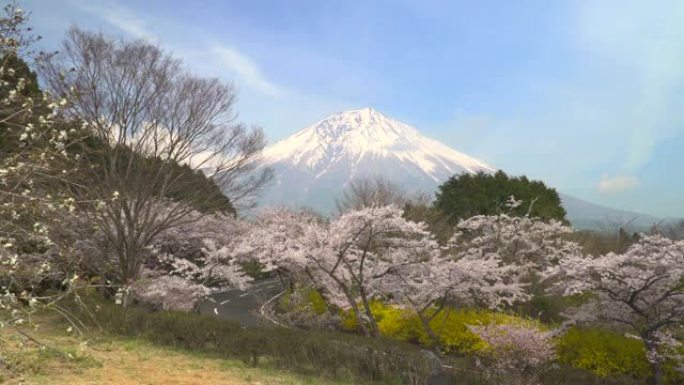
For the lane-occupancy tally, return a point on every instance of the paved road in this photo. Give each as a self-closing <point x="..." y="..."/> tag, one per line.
<point x="241" y="306"/>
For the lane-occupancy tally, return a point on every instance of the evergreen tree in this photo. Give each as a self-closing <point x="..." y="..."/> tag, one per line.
<point x="23" y="107"/>
<point x="466" y="195"/>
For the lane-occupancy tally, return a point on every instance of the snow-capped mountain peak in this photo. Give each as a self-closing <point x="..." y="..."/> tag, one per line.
<point x="321" y="159"/>
<point x="365" y="127"/>
<point x="366" y="132"/>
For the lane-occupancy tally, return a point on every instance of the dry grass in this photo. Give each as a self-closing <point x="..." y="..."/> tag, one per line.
<point x="112" y="360"/>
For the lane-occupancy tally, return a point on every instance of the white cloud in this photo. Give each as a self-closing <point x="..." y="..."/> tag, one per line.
<point x="246" y="70"/>
<point x="118" y="16"/>
<point x="617" y="183"/>
<point x="240" y="66"/>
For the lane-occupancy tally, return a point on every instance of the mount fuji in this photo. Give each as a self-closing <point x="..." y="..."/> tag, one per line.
<point x="313" y="166"/>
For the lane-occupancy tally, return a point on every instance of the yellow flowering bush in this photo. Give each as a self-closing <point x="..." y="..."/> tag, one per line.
<point x="604" y="352"/>
<point x="451" y="325"/>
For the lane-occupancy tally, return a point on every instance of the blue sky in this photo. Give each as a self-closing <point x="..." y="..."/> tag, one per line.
<point x="585" y="95"/>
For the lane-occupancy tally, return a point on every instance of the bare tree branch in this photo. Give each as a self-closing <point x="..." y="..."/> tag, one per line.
<point x="156" y="130"/>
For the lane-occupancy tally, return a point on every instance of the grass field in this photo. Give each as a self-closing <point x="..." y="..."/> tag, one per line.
<point x="103" y="359"/>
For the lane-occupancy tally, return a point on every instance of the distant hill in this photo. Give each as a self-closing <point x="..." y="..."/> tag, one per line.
<point x="586" y="215"/>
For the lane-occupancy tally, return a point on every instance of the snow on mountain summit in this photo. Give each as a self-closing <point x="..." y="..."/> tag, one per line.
<point x="314" y="165"/>
<point x="365" y="132"/>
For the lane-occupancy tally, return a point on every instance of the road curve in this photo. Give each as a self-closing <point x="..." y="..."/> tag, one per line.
<point x="241" y="306"/>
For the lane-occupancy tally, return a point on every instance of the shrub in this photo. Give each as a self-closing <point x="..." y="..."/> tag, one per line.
<point x="516" y="351"/>
<point x="397" y="323"/>
<point x="317" y="302"/>
<point x="452" y="328"/>
<point x="451" y="325"/>
<point x="393" y="322"/>
<point x="303" y="300"/>
<point x="304" y="308"/>
<point x="603" y="352"/>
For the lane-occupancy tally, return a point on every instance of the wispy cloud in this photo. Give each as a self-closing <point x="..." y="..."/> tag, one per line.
<point x="119" y="16"/>
<point x="245" y="69"/>
<point x="239" y="65"/>
<point x="617" y="183"/>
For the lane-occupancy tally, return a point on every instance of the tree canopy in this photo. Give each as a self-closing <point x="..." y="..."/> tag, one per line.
<point x="466" y="195"/>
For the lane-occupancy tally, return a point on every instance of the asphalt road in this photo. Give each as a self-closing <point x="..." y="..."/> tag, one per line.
<point x="241" y="306"/>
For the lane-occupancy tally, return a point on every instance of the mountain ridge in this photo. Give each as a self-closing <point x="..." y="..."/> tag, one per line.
<point x="591" y="216"/>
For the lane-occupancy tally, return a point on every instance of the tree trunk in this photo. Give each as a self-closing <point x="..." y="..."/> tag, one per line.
<point x="356" y="310"/>
<point x="354" y="306"/>
<point x="656" y="364"/>
<point x="657" y="369"/>
<point x="359" y="319"/>
<point x="375" y="332"/>
<point x="428" y="329"/>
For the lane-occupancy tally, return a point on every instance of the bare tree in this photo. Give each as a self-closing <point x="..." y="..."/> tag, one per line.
<point x="155" y="131"/>
<point x="371" y="192"/>
<point x="672" y="229"/>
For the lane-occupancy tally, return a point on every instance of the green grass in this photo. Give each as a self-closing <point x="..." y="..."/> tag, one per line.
<point x="106" y="358"/>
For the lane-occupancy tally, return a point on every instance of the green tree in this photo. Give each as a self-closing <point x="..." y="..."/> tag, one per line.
<point x="466" y="195"/>
<point x="190" y="185"/>
<point x="22" y="106"/>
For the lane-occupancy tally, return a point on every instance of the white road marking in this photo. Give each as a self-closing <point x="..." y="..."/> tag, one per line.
<point x="224" y="302"/>
<point x="267" y="284"/>
<point x="242" y="295"/>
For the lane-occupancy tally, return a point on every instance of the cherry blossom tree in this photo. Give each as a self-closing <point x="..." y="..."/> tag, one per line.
<point x="188" y="262"/>
<point x="490" y="262"/>
<point x="422" y="283"/>
<point x="344" y="258"/>
<point x="428" y="287"/>
<point x="375" y="253"/>
<point x="528" y="243"/>
<point x="641" y="290"/>
<point x="523" y="247"/>
<point x="361" y="248"/>
<point x="276" y="241"/>
<point x="180" y="267"/>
